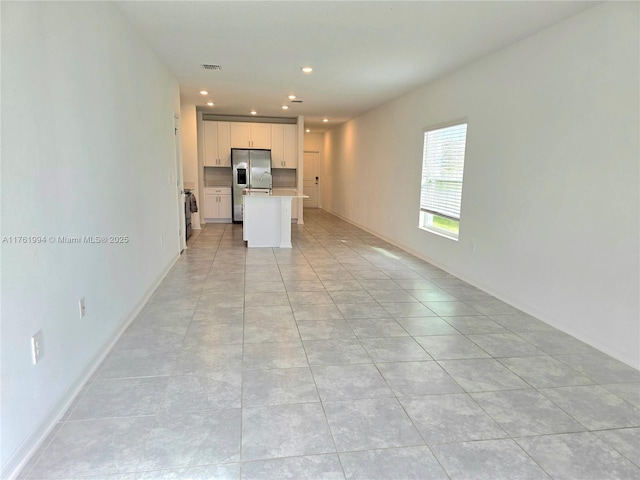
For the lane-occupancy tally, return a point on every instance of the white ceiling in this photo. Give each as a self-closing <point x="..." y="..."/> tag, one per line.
<point x="364" y="53"/>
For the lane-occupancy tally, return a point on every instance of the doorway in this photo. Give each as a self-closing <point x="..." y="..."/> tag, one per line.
<point x="311" y="179"/>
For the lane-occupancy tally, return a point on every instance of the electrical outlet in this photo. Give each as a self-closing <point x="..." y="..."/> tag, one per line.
<point x="37" y="347"/>
<point x="82" y="307"/>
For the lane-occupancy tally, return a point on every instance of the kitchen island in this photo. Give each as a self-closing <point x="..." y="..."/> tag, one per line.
<point x="267" y="217"/>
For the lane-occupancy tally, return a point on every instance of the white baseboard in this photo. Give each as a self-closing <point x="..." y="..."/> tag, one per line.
<point x="39" y="434"/>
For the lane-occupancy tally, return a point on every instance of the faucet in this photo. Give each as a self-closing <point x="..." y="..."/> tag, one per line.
<point x="270" y="180"/>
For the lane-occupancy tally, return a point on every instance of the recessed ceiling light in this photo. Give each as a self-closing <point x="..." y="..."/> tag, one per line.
<point x="210" y="104"/>
<point x="307" y="69"/>
<point x="285" y="107"/>
<point x="204" y="92"/>
<point x="253" y="112"/>
<point x="308" y="130"/>
<point x="325" y="120"/>
<point x="291" y="97"/>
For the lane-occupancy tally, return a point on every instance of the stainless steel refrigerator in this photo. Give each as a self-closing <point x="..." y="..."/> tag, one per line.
<point x="251" y="169"/>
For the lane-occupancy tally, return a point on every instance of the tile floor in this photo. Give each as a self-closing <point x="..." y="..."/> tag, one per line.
<point x="344" y="357"/>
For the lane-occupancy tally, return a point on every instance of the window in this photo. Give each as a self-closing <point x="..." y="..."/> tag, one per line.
<point x="442" y="169"/>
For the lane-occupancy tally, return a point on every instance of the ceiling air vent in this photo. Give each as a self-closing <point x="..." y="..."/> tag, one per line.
<point x="210" y="66"/>
<point x="296" y="101"/>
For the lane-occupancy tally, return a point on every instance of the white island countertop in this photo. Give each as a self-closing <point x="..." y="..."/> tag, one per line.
<point x="267" y="216"/>
<point x="276" y="192"/>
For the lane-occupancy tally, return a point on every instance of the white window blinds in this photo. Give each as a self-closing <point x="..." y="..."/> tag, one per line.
<point x="442" y="169"/>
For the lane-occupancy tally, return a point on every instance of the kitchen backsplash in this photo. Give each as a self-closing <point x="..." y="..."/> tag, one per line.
<point x="284" y="178"/>
<point x="221" y="176"/>
<point x="218" y="176"/>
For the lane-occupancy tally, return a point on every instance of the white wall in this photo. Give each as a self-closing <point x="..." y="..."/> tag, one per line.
<point x="550" y="197"/>
<point x="87" y="149"/>
<point x="313" y="142"/>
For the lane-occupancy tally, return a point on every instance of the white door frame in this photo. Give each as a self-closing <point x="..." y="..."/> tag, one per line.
<point x="179" y="182"/>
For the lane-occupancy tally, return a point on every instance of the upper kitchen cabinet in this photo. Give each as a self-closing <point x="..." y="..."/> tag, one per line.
<point x="250" y="135"/>
<point x="284" y="142"/>
<point x="217" y="144"/>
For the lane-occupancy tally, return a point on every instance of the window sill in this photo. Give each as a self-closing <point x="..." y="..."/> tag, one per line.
<point x="441" y="233"/>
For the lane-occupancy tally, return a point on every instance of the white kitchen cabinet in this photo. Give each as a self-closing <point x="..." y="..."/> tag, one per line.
<point x="217" y="144"/>
<point x="241" y="135"/>
<point x="250" y="135"/>
<point x="225" y="207"/>
<point x="217" y="204"/>
<point x="290" y="146"/>
<point x="277" y="145"/>
<point x="284" y="143"/>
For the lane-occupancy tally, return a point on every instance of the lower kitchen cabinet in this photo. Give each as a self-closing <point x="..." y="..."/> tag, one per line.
<point x="217" y="204"/>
